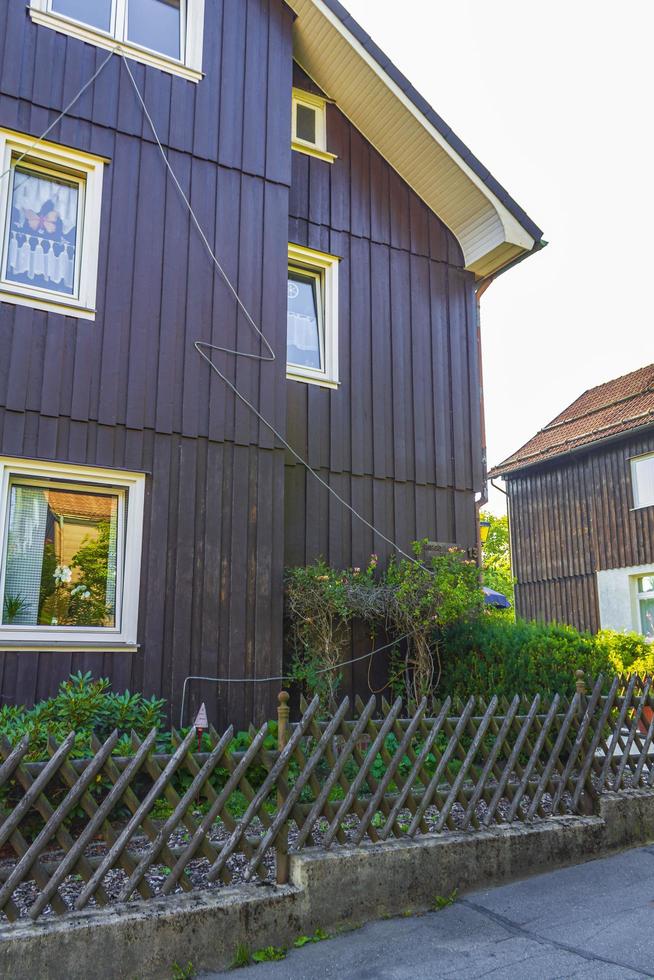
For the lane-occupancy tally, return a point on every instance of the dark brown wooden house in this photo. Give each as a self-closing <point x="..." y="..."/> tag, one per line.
<point x="146" y="512"/>
<point x="581" y="511"/>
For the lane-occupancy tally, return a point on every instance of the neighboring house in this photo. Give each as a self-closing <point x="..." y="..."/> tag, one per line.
<point x="146" y="514"/>
<point x="581" y="511"/>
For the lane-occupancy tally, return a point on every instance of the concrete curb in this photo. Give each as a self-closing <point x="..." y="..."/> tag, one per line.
<point x="333" y="891"/>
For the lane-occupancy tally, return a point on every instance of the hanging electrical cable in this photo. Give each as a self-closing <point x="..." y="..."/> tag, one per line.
<point x="61" y="115"/>
<point x="287" y="677"/>
<point x="202" y="346"/>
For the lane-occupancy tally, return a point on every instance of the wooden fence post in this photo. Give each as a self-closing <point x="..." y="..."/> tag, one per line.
<point x="585" y="803"/>
<point x="580" y="684"/>
<point x="283" y="714"/>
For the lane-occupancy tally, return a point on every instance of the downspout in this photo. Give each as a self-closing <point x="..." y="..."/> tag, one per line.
<point x="482" y="286"/>
<point x="483" y="500"/>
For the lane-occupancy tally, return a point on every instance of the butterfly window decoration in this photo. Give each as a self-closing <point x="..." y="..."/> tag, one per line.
<point x="42" y="246"/>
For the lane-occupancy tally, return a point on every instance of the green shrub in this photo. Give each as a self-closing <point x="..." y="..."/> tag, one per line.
<point x="493" y="655"/>
<point x="628" y="653"/>
<point x="84" y="706"/>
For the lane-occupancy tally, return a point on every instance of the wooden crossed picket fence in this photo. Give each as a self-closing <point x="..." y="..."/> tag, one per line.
<point x="76" y="832"/>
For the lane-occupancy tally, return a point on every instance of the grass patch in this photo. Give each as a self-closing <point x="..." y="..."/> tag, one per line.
<point x="242" y="957"/>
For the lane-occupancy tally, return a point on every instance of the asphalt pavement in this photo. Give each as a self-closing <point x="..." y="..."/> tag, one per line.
<point x="595" y="920"/>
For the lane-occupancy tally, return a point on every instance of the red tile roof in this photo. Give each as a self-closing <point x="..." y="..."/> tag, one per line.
<point x="620" y="405"/>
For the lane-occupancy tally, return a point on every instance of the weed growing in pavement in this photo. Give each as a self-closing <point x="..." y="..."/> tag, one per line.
<point x="442" y="901"/>
<point x="242" y="957"/>
<point x="269" y="954"/>
<point x="318" y="937"/>
<point x="183" y="972"/>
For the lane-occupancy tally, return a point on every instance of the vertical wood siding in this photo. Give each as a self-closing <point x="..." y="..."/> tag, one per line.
<point x="400" y="439"/>
<point x="129" y="390"/>
<point x="571" y="519"/>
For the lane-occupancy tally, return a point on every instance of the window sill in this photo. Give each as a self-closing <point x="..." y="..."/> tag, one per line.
<point x="306" y="379"/>
<point x="65" y="646"/>
<point x="7" y="295"/>
<point x="83" y="33"/>
<point x="313" y="151"/>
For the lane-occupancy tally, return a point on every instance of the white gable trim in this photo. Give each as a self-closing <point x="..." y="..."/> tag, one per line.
<point x="489" y="235"/>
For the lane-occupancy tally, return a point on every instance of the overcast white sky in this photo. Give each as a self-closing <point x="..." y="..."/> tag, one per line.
<point x="556" y="100"/>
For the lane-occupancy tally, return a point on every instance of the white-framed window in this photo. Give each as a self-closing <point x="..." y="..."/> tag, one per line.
<point x="642" y="480"/>
<point x="70" y="556"/>
<point x="50" y="211"/>
<point x="309" y="125"/>
<point x="312" y="317"/>
<point x="645" y="593"/>
<point x="166" y="34"/>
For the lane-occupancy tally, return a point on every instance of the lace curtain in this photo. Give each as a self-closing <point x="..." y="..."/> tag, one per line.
<point x="43" y="232"/>
<point x="27" y="527"/>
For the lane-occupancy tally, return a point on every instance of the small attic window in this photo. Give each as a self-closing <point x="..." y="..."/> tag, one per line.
<point x="309" y="132"/>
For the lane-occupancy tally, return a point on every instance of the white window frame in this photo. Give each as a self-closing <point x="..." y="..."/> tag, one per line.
<point x="319" y="106"/>
<point x="325" y="268"/>
<point x="72" y="165"/>
<point x="639" y="597"/>
<point x="122" y="637"/>
<point x="635" y="460"/>
<point x="189" y="66"/>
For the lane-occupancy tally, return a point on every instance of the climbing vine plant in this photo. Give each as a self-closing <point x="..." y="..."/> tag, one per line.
<point x="410" y="602"/>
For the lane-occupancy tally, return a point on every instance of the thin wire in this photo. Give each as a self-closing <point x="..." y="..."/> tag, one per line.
<point x="199" y="344"/>
<point x="60" y="116"/>
<point x="227" y="280"/>
<point x="283" y="677"/>
<point x="202" y="346"/>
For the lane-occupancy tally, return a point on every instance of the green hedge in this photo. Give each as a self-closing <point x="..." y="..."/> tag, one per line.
<point x="494" y="655"/>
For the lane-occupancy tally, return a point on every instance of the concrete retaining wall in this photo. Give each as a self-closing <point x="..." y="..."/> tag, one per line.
<point x="332" y="891"/>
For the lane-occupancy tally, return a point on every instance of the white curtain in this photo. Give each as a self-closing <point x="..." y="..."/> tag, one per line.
<point x="43" y="212"/>
<point x="27" y="525"/>
<point x="112" y="560"/>
<point x="302" y="332"/>
<point x="645" y="480"/>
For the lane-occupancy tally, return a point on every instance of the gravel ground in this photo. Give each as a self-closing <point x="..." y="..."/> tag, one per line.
<point x="198" y="869"/>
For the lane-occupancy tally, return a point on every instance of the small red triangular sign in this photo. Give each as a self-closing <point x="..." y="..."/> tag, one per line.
<point x="201" y="721"/>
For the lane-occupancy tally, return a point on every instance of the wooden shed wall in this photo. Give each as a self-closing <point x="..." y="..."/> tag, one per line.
<point x="129" y="390"/>
<point x="570" y="519"/>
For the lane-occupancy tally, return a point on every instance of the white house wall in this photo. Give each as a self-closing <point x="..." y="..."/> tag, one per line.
<point x="618" y="602"/>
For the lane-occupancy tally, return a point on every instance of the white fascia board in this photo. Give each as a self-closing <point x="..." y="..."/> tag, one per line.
<point x="411" y="162"/>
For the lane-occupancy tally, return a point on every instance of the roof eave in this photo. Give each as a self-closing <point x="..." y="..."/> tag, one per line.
<point x="586" y="447"/>
<point x="493" y="231"/>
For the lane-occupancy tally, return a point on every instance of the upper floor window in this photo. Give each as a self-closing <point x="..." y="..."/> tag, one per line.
<point x="310" y="125"/>
<point x="312" y="317"/>
<point x="50" y="204"/>
<point x="163" y="33"/>
<point x="70" y="552"/>
<point x="642" y="478"/>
